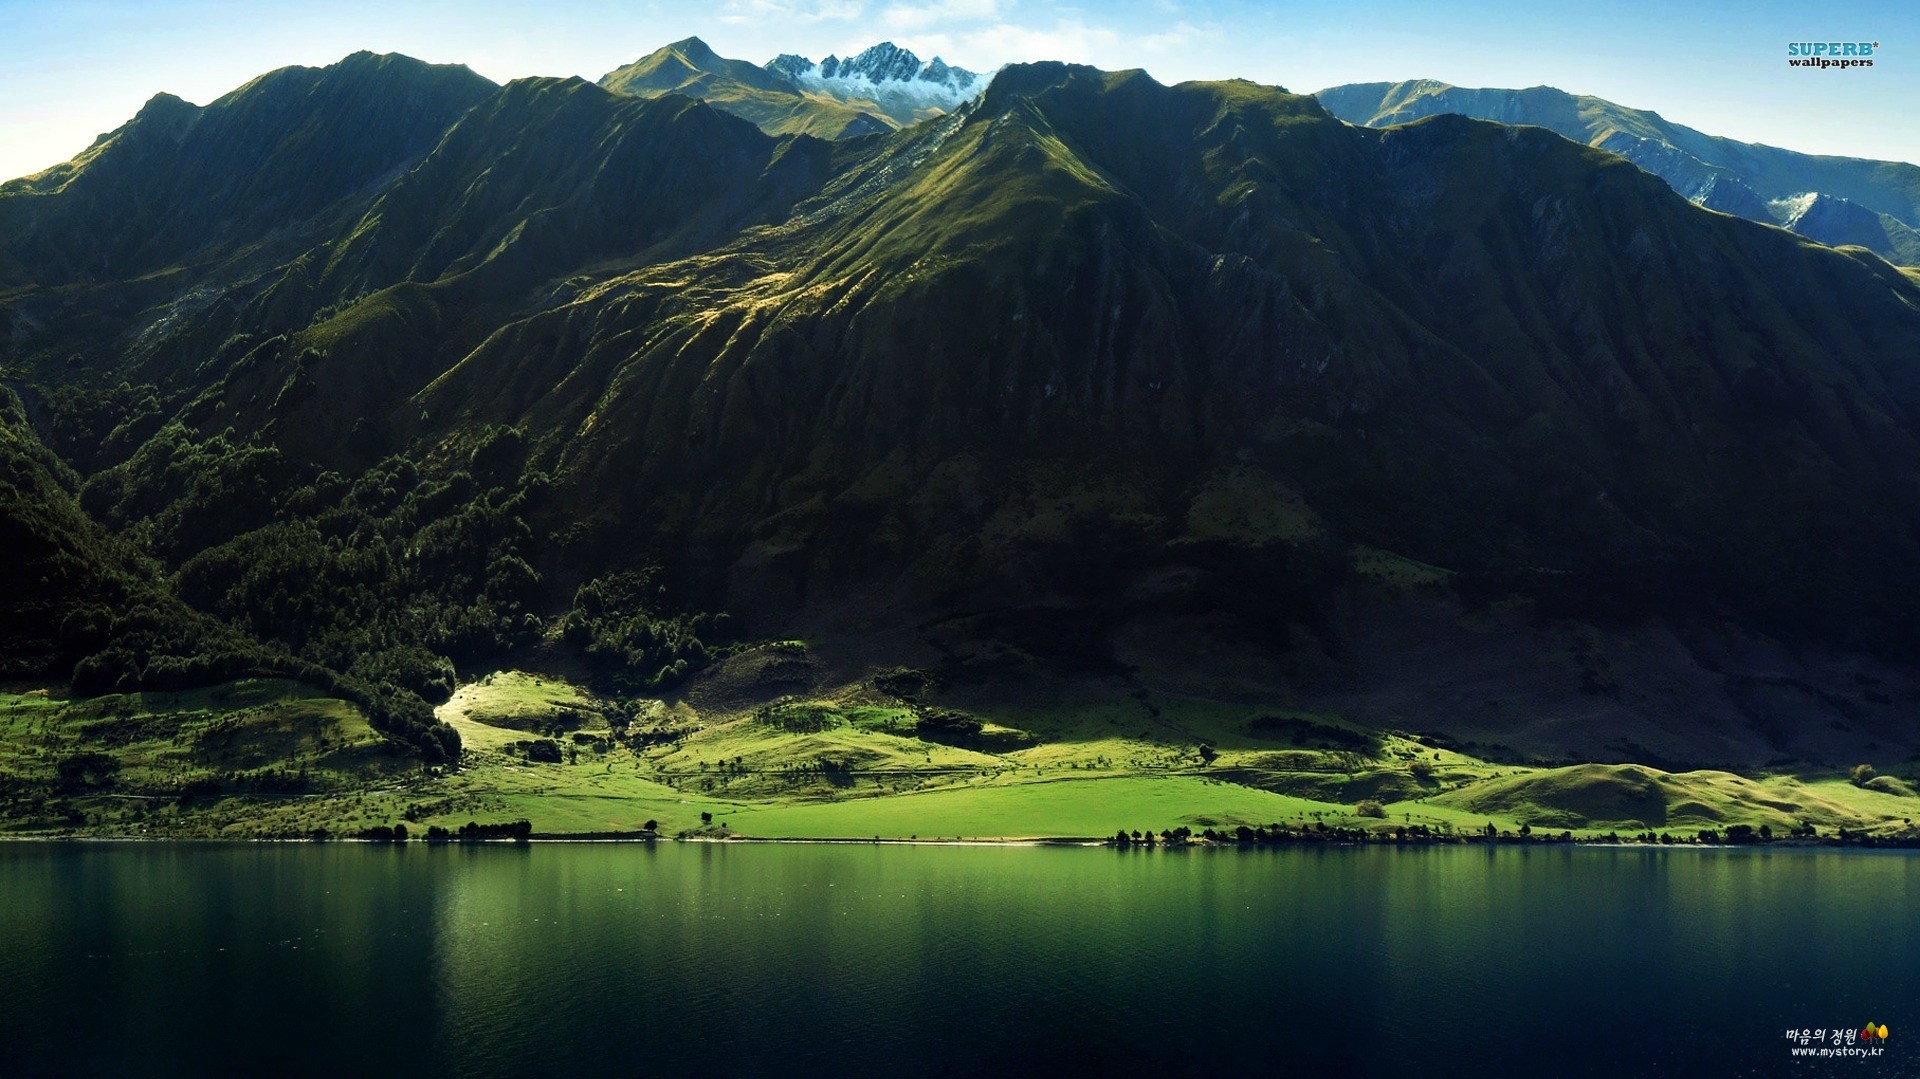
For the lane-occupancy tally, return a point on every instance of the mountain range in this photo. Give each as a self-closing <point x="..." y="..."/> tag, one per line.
<point x="1450" y="424"/>
<point x="1835" y="200"/>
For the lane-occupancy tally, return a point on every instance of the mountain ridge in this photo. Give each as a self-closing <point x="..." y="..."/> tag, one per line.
<point x="1745" y="179"/>
<point x="169" y="168"/>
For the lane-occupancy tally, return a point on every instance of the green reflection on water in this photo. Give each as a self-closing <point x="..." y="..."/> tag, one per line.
<point x="812" y="959"/>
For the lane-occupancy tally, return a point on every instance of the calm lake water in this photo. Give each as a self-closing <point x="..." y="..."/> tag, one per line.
<point x="791" y="960"/>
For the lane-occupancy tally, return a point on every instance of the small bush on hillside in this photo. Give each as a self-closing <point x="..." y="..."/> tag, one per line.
<point x="946" y="725"/>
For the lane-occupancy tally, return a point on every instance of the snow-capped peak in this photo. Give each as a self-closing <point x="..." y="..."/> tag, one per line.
<point x="886" y="73"/>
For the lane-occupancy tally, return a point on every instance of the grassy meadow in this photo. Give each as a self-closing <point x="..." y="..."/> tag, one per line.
<point x="265" y="758"/>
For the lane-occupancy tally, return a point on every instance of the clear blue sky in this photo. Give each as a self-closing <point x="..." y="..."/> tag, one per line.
<point x="70" y="69"/>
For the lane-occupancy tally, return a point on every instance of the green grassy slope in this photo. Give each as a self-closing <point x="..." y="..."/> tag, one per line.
<point x="157" y="764"/>
<point x="1067" y="806"/>
<point x="263" y="758"/>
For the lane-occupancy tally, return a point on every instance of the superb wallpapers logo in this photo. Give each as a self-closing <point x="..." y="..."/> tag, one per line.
<point x="1838" y="55"/>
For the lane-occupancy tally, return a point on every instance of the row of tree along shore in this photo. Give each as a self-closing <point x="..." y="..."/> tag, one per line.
<point x="518" y="831"/>
<point x="1415" y="834"/>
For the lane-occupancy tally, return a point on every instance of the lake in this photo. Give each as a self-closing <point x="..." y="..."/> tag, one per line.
<point x="802" y="960"/>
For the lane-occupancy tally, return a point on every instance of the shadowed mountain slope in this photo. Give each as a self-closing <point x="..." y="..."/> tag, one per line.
<point x="185" y="185"/>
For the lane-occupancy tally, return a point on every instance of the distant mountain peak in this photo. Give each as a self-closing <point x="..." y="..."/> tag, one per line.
<point x="693" y="48"/>
<point x="683" y="65"/>
<point x="893" y="77"/>
<point x="366" y="60"/>
<point x="164" y="104"/>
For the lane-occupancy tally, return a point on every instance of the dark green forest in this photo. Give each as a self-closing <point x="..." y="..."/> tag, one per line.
<point x="186" y="560"/>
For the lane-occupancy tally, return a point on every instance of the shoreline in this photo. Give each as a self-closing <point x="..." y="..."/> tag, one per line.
<point x="1027" y="841"/>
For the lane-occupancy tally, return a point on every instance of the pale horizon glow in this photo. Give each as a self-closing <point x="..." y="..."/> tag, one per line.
<point x="75" y="69"/>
